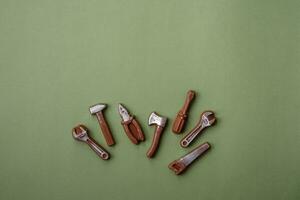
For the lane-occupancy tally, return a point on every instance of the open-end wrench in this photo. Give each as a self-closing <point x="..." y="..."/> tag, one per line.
<point x="80" y="133"/>
<point x="207" y="119"/>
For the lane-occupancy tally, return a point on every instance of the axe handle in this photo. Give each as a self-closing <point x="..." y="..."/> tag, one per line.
<point x="182" y="114"/>
<point x="105" y="129"/>
<point x="155" y="141"/>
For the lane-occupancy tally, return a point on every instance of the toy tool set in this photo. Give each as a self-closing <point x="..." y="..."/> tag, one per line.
<point x="136" y="135"/>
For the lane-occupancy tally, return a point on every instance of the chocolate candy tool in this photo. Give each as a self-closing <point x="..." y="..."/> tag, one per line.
<point x="131" y="126"/>
<point x="207" y="119"/>
<point x="80" y="133"/>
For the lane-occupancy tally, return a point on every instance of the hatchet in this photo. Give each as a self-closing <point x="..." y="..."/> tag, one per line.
<point x="160" y="122"/>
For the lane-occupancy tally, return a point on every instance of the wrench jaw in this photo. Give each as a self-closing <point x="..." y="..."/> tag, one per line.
<point x="208" y="119"/>
<point x="80" y="133"/>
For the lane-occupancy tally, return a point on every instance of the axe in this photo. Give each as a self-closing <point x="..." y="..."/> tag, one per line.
<point x="160" y="123"/>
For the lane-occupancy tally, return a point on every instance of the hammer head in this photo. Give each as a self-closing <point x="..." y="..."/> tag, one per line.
<point x="154" y="118"/>
<point x="97" y="108"/>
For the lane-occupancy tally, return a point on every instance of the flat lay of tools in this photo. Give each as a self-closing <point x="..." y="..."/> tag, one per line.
<point x="136" y="135"/>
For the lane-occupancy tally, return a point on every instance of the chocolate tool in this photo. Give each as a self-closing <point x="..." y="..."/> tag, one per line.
<point x="178" y="166"/>
<point x="207" y="119"/>
<point x="183" y="113"/>
<point x="80" y="133"/>
<point x="131" y="126"/>
<point x="97" y="110"/>
<point x="160" y="123"/>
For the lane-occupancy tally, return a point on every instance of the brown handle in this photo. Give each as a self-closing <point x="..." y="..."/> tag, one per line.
<point x="189" y="98"/>
<point x="182" y="114"/>
<point x="155" y="142"/>
<point x="97" y="149"/>
<point x="105" y="129"/>
<point x="129" y="133"/>
<point x="136" y="130"/>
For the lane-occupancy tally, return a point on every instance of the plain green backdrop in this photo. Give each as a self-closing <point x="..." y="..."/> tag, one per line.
<point x="58" y="57"/>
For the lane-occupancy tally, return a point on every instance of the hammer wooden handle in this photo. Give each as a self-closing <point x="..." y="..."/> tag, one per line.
<point x="105" y="129"/>
<point x="155" y="142"/>
<point x="182" y="114"/>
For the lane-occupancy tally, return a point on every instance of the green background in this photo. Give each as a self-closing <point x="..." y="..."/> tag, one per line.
<point x="59" y="57"/>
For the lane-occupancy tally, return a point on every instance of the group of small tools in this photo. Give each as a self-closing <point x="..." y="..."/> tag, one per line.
<point x="135" y="134"/>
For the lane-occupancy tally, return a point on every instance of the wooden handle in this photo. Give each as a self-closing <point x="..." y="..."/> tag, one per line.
<point x="105" y="129"/>
<point x="133" y="130"/>
<point x="189" y="98"/>
<point x="136" y="129"/>
<point x="182" y="114"/>
<point x="155" y="142"/>
<point x="129" y="133"/>
<point x="97" y="149"/>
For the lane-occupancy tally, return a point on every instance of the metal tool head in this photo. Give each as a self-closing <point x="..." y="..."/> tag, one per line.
<point x="123" y="113"/>
<point x="208" y="118"/>
<point x="80" y="132"/>
<point x="154" y="118"/>
<point x="97" y="108"/>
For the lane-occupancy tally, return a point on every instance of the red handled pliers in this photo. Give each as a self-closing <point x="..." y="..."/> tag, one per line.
<point x="131" y="126"/>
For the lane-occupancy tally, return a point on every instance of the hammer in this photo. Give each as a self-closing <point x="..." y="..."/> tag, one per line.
<point x="160" y="123"/>
<point x="97" y="110"/>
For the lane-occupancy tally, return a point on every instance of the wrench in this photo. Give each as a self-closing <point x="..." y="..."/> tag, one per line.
<point x="207" y="119"/>
<point x="80" y="133"/>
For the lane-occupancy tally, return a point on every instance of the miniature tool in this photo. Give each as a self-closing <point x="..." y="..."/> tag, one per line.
<point x="97" y="110"/>
<point x="131" y="126"/>
<point x="178" y="166"/>
<point x="80" y="133"/>
<point x="207" y="119"/>
<point x="183" y="113"/>
<point x="160" y="123"/>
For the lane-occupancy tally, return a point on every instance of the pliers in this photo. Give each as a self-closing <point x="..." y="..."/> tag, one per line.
<point x="131" y="126"/>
